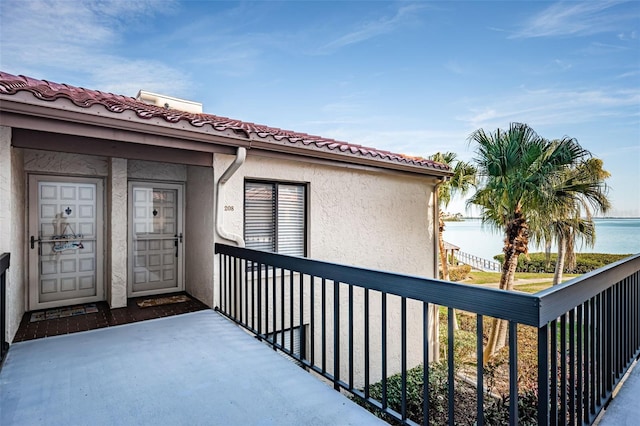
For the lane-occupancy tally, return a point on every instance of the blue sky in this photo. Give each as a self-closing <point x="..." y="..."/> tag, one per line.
<point x="409" y="77"/>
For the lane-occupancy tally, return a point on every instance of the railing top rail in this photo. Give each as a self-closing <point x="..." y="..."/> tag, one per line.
<point x="4" y="262"/>
<point x="519" y="307"/>
<point x="556" y="300"/>
<point x="530" y="309"/>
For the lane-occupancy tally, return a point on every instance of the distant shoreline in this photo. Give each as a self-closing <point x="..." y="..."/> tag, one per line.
<point x="463" y="218"/>
<point x="614" y="235"/>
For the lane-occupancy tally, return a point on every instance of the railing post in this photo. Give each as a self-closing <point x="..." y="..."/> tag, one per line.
<point x="403" y="353"/>
<point x="513" y="373"/>
<point x="553" y="377"/>
<point x="451" y="365"/>
<point x="367" y="345"/>
<point x="479" y="371"/>
<point x="588" y="337"/>
<point x="425" y="363"/>
<point x="543" y="375"/>
<point x="384" y="350"/>
<point x="4" y="345"/>
<point x="336" y="335"/>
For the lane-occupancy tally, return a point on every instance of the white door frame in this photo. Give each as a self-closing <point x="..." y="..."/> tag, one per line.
<point x="180" y="232"/>
<point x="33" y="291"/>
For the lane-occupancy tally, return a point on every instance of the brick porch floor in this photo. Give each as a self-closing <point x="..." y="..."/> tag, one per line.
<point x="105" y="317"/>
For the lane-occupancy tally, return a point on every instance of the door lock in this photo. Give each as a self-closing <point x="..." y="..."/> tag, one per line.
<point x="178" y="238"/>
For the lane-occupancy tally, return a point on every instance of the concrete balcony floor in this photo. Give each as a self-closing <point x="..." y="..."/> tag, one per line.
<point x="624" y="408"/>
<point x="191" y="369"/>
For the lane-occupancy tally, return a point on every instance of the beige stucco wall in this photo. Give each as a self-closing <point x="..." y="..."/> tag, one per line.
<point x="116" y="238"/>
<point x="12" y="228"/>
<point x="199" y="233"/>
<point x="359" y="217"/>
<point x="61" y="163"/>
<point x="151" y="170"/>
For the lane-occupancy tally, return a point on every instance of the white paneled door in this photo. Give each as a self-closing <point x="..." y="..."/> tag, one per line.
<point x="155" y="238"/>
<point x="65" y="241"/>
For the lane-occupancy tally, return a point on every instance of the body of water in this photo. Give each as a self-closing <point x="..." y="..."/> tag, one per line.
<point x="616" y="236"/>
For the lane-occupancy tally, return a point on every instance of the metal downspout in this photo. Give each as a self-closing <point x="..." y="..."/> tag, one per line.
<point x="434" y="317"/>
<point x="436" y="228"/>
<point x="241" y="155"/>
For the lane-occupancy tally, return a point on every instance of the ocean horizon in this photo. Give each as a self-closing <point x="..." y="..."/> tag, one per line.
<point x="613" y="235"/>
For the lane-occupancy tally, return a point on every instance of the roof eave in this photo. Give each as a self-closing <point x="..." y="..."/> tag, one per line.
<point x="64" y="110"/>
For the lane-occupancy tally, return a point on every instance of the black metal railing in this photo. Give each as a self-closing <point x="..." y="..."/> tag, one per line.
<point x="588" y="337"/>
<point x="360" y="327"/>
<point x="4" y="345"/>
<point x="478" y="262"/>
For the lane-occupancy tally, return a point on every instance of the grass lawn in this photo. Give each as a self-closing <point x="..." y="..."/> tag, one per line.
<point x="534" y="281"/>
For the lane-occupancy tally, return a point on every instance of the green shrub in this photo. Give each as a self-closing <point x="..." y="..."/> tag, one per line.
<point x="438" y="396"/>
<point x="585" y="262"/>
<point x="459" y="273"/>
<point x="496" y="411"/>
<point x="464" y="345"/>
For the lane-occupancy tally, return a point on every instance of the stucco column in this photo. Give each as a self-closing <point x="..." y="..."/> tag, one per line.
<point x="117" y="233"/>
<point x="199" y="234"/>
<point x="5" y="189"/>
<point x="12" y="228"/>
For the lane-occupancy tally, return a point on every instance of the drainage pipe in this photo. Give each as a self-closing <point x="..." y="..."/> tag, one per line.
<point x="241" y="155"/>
<point x="434" y="317"/>
<point x="436" y="220"/>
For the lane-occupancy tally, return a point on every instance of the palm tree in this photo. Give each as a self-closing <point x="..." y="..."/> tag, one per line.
<point x="580" y="192"/>
<point x="517" y="170"/>
<point x="464" y="176"/>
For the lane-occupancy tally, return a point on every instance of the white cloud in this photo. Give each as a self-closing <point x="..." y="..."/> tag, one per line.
<point x="81" y="39"/>
<point x="373" y="29"/>
<point x="552" y="107"/>
<point x="231" y="58"/>
<point x="127" y="78"/>
<point x="455" y="68"/>
<point x="574" y="19"/>
<point x="628" y="74"/>
<point x="597" y="48"/>
<point x="416" y="141"/>
<point x="563" y="65"/>
<point x="631" y="35"/>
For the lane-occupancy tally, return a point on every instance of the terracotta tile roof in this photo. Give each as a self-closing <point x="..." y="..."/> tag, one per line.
<point x="85" y="98"/>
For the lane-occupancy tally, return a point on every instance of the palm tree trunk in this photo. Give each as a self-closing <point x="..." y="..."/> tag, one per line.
<point x="547" y="253"/>
<point x="570" y="252"/>
<point x="516" y="243"/>
<point x="562" y="251"/>
<point x="498" y="333"/>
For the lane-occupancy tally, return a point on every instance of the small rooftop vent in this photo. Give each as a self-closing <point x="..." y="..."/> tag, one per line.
<point x="169" y="102"/>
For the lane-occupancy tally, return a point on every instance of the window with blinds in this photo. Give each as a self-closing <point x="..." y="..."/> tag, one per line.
<point x="300" y="340"/>
<point x="275" y="217"/>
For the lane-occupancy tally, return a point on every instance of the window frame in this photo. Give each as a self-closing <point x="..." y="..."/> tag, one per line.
<point x="301" y="337"/>
<point x="275" y="185"/>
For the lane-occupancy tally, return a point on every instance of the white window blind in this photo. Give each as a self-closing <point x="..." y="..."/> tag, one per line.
<point x="300" y="338"/>
<point x="275" y="217"/>
<point x="259" y="211"/>
<point x="290" y="220"/>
